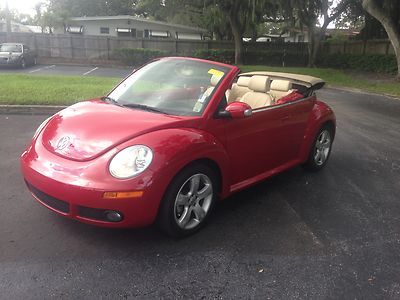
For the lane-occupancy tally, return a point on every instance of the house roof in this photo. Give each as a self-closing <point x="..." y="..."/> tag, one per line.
<point x="127" y="17"/>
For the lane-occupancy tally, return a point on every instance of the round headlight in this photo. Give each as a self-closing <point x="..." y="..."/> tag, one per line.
<point x="131" y="161"/>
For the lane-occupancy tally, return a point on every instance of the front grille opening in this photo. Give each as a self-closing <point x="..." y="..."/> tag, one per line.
<point x="54" y="203"/>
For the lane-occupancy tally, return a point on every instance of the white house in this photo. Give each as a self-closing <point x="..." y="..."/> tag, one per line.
<point x="129" y="26"/>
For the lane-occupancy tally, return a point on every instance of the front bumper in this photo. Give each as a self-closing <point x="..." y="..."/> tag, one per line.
<point x="75" y="189"/>
<point x="9" y="62"/>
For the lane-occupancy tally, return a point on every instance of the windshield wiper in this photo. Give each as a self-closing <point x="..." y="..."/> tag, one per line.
<point x="111" y="100"/>
<point x="145" y="107"/>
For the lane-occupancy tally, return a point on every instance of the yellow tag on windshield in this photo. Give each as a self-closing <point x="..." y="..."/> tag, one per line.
<point x="216" y="72"/>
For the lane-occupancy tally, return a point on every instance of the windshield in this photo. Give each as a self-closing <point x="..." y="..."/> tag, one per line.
<point x="10" y="48"/>
<point x="173" y="86"/>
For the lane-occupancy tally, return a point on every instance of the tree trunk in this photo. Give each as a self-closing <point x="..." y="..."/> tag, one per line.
<point x="254" y="34"/>
<point x="390" y="26"/>
<point x="237" y="36"/>
<point x="315" y="48"/>
<point x="8" y="22"/>
<point x="310" y="46"/>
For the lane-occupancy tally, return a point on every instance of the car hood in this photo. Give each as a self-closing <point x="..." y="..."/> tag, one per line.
<point x="88" y="129"/>
<point x="10" y="54"/>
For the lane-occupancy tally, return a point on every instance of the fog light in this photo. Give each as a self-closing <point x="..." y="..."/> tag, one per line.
<point x="113" y="216"/>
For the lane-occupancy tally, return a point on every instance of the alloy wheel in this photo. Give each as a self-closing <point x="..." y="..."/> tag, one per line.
<point x="193" y="201"/>
<point x="322" y="147"/>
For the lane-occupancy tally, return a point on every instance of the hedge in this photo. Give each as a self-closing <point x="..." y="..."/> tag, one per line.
<point x="137" y="56"/>
<point x="271" y="58"/>
<point x="370" y="62"/>
<point x="226" y="56"/>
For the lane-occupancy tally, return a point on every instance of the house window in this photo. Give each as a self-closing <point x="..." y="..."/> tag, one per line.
<point x="104" y="30"/>
<point x="146" y="34"/>
<point x="75" y="29"/>
<point x="159" y="34"/>
<point x="126" y="32"/>
<point x="188" y="36"/>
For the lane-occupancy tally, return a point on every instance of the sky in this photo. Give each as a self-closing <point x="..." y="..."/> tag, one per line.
<point x="23" y="6"/>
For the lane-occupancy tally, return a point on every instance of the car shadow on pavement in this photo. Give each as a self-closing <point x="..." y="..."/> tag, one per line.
<point x="258" y="219"/>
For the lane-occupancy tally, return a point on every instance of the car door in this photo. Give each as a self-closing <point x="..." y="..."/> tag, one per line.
<point x="26" y="55"/>
<point x="253" y="143"/>
<point x="30" y="54"/>
<point x="293" y="127"/>
<point x="268" y="139"/>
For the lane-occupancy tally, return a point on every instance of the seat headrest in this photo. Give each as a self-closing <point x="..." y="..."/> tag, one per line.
<point x="215" y="79"/>
<point x="243" y="81"/>
<point x="281" y="85"/>
<point x="259" y="83"/>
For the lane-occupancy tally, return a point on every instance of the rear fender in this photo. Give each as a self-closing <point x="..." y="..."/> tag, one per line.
<point x="320" y="114"/>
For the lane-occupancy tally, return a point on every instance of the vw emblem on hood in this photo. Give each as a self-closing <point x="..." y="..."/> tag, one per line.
<point x="63" y="143"/>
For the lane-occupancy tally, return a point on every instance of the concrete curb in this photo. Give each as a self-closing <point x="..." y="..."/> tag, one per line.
<point x="354" y="90"/>
<point x="100" y="64"/>
<point x="30" y="109"/>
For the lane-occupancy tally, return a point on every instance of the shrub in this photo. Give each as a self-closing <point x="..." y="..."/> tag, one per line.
<point x="254" y="57"/>
<point x="370" y="62"/>
<point x="137" y="56"/>
<point x="275" y="58"/>
<point x="226" y="56"/>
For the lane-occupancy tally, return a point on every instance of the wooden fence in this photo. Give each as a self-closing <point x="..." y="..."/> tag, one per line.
<point x="70" y="46"/>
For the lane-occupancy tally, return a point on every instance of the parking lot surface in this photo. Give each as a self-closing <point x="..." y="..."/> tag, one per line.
<point x="333" y="234"/>
<point x="70" y="70"/>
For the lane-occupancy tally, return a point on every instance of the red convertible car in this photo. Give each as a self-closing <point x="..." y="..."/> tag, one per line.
<point x="171" y="139"/>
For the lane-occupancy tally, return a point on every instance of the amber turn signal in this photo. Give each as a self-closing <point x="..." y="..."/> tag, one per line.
<point x="122" y="195"/>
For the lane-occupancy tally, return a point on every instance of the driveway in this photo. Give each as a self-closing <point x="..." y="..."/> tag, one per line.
<point x="70" y="70"/>
<point x="333" y="234"/>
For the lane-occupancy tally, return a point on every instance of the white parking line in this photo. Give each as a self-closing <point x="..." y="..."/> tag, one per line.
<point x="88" y="72"/>
<point x="40" y="69"/>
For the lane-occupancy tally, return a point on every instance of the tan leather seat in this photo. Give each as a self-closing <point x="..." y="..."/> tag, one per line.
<point x="214" y="81"/>
<point x="258" y="97"/>
<point x="280" y="88"/>
<point x="239" y="89"/>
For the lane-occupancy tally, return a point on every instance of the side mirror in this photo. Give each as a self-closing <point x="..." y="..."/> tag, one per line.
<point x="236" y="110"/>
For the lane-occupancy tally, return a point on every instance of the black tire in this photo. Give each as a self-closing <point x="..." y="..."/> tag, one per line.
<point x="314" y="162"/>
<point x="170" y="212"/>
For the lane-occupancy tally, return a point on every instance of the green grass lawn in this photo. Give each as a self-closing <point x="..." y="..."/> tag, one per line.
<point x="65" y="90"/>
<point x="340" y="78"/>
<point x="52" y="90"/>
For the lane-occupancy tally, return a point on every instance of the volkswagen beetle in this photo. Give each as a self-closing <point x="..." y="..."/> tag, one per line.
<point x="172" y="139"/>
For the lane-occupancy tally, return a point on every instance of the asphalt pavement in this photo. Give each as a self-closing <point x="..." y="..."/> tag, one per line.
<point x="328" y="235"/>
<point x="70" y="70"/>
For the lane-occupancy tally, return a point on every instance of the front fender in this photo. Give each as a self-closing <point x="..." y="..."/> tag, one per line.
<point x="173" y="149"/>
<point x="320" y="114"/>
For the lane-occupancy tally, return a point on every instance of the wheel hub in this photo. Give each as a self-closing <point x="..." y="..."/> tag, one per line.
<point x="193" y="201"/>
<point x="322" y="147"/>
